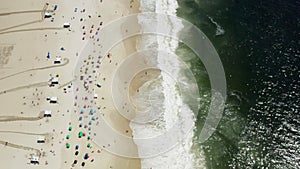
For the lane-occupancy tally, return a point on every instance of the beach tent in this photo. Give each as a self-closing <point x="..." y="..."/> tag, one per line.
<point x="34" y="159"/>
<point x="67" y="25"/>
<point x="54" y="80"/>
<point x="57" y="61"/>
<point x="47" y="15"/>
<point x="47" y="113"/>
<point x="41" y="139"/>
<point x="53" y="100"/>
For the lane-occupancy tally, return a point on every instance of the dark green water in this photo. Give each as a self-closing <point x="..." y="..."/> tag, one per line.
<point x="260" y="51"/>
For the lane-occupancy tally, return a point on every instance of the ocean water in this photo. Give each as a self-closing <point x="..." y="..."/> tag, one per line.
<point x="258" y="43"/>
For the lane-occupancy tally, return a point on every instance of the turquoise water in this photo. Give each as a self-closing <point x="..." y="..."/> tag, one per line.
<point x="258" y="43"/>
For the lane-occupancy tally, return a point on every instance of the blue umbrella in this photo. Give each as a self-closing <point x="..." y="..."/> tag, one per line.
<point x="48" y="55"/>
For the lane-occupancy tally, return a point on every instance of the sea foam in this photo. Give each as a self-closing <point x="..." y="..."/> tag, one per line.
<point x="168" y="103"/>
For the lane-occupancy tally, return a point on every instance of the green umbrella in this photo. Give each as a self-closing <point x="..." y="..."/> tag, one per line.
<point x="68" y="137"/>
<point x="89" y="137"/>
<point x="89" y="145"/>
<point x="68" y="145"/>
<point x="80" y="134"/>
<point x="70" y="128"/>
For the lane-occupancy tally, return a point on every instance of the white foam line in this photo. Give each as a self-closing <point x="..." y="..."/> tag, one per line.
<point x="181" y="156"/>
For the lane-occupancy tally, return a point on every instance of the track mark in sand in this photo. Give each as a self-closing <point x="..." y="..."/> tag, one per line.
<point x="40" y="68"/>
<point x="23" y="12"/>
<point x="34" y="29"/>
<point x="17" y="118"/>
<point x="23" y="24"/>
<point x="20" y="147"/>
<point x="43" y="11"/>
<point x="33" y="134"/>
<point x="41" y="84"/>
<point x="61" y="86"/>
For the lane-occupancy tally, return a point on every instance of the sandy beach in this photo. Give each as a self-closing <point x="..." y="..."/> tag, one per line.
<point x="33" y="38"/>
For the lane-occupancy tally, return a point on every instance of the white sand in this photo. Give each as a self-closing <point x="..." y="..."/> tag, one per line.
<point x="27" y="87"/>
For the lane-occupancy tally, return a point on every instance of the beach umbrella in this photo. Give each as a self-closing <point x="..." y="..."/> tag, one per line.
<point x="80" y="134"/>
<point x="76" y="147"/>
<point x="82" y="164"/>
<point x="90" y="122"/>
<point x="68" y="145"/>
<point x="86" y="156"/>
<point x="89" y="137"/>
<point x="80" y="118"/>
<point x="89" y="145"/>
<point x="68" y="137"/>
<point x="76" y="153"/>
<point x="93" y="118"/>
<point x="75" y="162"/>
<point x="70" y="128"/>
<point x="89" y="128"/>
<point x="92" y="111"/>
<point x="48" y="55"/>
<point x="80" y="125"/>
<point x="82" y="111"/>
